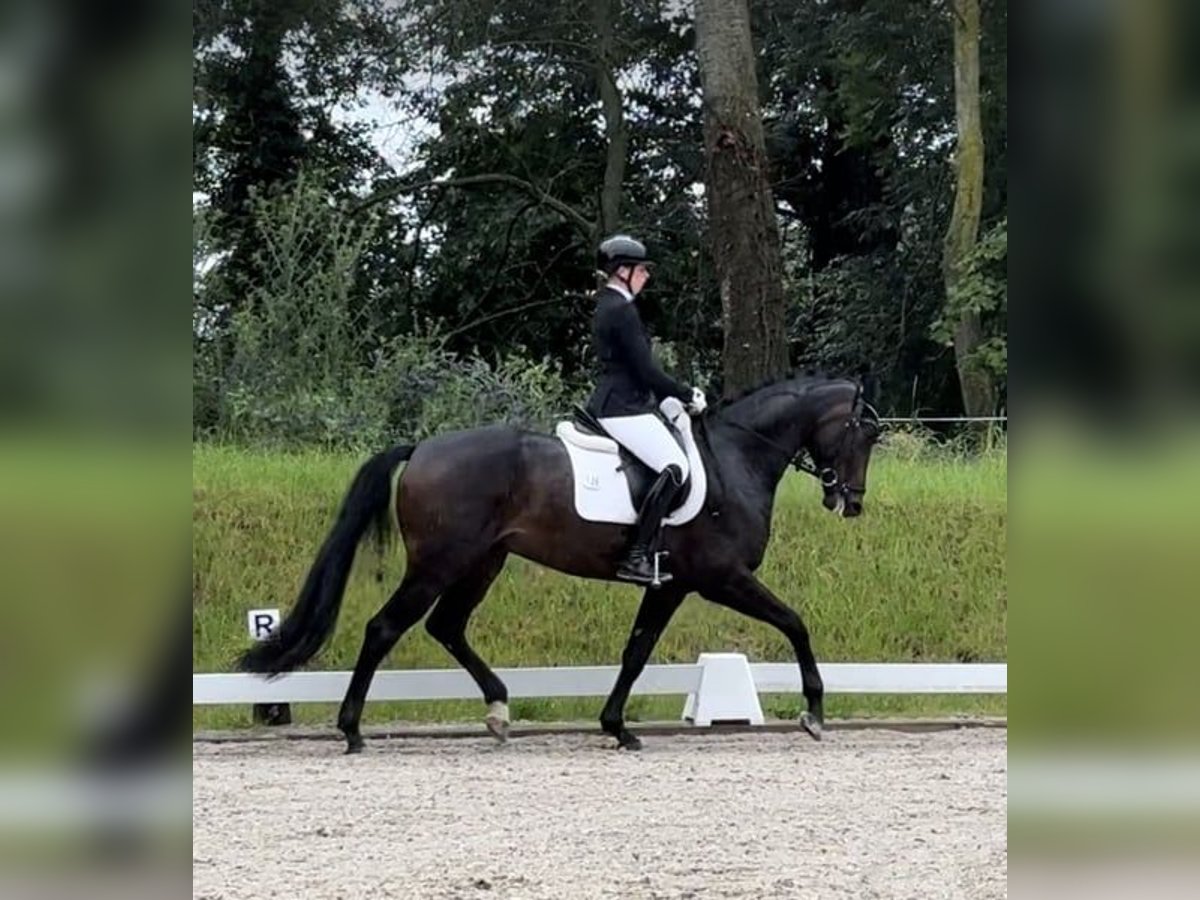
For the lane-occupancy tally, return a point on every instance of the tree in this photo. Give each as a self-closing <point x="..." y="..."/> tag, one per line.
<point x="267" y="76"/>
<point x="555" y="126"/>
<point x="978" y="392"/>
<point x="858" y="108"/>
<point x="614" y="116"/>
<point x="744" y="234"/>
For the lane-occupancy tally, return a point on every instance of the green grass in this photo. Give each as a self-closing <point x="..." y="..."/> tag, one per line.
<point x="919" y="577"/>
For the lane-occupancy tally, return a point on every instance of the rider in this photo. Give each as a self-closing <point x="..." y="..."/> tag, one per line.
<point x="629" y="390"/>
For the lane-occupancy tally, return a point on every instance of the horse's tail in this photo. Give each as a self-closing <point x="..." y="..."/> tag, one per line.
<point x="309" y="623"/>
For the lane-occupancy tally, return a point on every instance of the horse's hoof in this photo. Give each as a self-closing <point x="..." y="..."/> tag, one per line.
<point x="498" y="728"/>
<point x="629" y="741"/>
<point x="497" y="720"/>
<point x="812" y="725"/>
<point x="354" y="745"/>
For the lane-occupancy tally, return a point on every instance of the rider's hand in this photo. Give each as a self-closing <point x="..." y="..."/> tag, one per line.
<point x="699" y="402"/>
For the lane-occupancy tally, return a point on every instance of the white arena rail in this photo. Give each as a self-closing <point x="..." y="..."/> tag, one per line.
<point x="888" y="678"/>
<point x="720" y="686"/>
<point x="437" y="684"/>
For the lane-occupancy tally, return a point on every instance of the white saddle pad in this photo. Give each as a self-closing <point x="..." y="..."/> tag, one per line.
<point x="601" y="488"/>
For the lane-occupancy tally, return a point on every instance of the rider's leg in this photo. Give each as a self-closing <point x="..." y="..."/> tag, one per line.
<point x="638" y="564"/>
<point x="647" y="437"/>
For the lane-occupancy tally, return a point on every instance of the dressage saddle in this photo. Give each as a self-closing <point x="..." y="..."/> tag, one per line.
<point x="640" y="476"/>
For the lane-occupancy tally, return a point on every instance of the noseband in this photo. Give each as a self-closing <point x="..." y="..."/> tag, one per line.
<point x="827" y="475"/>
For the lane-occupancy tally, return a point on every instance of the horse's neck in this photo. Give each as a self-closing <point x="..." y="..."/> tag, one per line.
<point x="781" y="418"/>
<point x="768" y="433"/>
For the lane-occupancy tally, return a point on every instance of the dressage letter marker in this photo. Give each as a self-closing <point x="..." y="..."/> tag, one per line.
<point x="262" y="624"/>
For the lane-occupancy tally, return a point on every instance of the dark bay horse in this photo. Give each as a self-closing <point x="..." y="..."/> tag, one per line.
<point x="467" y="499"/>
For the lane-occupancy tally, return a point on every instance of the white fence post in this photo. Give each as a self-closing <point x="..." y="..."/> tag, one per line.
<point x="726" y="692"/>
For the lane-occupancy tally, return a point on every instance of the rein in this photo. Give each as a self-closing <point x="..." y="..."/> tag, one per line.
<point x="797" y="460"/>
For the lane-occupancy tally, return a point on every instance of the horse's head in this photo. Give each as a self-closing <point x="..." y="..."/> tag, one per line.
<point x="840" y="447"/>
<point x="824" y="427"/>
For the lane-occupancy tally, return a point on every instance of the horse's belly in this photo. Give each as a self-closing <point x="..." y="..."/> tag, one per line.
<point x="586" y="549"/>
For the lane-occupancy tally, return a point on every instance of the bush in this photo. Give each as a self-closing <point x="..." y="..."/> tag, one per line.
<point x="913" y="442"/>
<point x="295" y="364"/>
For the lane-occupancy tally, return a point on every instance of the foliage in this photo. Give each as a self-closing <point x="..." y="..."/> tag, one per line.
<point x="294" y="364"/>
<point x="982" y="287"/>
<point x="859" y="97"/>
<point x="858" y="104"/>
<point x="269" y="78"/>
<point x="518" y="96"/>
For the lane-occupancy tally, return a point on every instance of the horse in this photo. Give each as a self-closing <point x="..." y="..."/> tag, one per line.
<point x="463" y="501"/>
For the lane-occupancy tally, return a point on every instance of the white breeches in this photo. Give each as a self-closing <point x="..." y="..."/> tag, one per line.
<point x="647" y="437"/>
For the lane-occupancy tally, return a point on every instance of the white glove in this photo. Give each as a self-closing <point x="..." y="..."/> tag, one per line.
<point x="698" y="404"/>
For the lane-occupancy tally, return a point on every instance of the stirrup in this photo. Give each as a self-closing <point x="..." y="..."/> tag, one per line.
<point x="659" y="575"/>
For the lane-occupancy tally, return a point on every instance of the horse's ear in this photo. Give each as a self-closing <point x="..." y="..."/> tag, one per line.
<point x="871" y="388"/>
<point x="869" y="384"/>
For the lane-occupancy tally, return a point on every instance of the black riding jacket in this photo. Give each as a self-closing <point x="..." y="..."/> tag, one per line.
<point x="630" y="380"/>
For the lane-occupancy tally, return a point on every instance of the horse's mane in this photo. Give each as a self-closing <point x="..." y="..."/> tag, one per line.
<point x="801" y="378"/>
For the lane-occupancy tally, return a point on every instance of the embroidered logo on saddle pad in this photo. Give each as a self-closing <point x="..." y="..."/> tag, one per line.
<point x="604" y="493"/>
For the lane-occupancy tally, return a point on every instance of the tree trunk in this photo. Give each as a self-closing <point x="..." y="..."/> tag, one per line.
<point x="741" y="210"/>
<point x="978" y="393"/>
<point x="615" y="131"/>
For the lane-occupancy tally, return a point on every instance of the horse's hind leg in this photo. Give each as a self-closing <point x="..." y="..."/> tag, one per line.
<point x="405" y="608"/>
<point x="448" y="626"/>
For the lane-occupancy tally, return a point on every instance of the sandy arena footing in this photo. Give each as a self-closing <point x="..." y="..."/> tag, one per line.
<point x="880" y="814"/>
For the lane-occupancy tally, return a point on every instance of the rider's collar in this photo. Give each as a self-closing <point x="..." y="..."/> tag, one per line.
<point x="621" y="289"/>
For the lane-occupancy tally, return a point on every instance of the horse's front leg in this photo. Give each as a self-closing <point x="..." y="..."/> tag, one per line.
<point x="744" y="593"/>
<point x="658" y="605"/>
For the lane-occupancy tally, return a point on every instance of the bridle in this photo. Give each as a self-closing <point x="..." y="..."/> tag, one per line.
<point x="803" y="461"/>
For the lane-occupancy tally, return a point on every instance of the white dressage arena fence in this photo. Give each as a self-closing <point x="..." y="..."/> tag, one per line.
<point x="720" y="687"/>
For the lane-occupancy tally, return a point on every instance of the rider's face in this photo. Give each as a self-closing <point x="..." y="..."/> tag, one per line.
<point x="638" y="279"/>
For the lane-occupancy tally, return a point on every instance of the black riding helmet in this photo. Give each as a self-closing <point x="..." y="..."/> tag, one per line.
<point x="621" y="250"/>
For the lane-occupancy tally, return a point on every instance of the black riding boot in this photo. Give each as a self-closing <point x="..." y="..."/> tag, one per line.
<point x="639" y="564"/>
